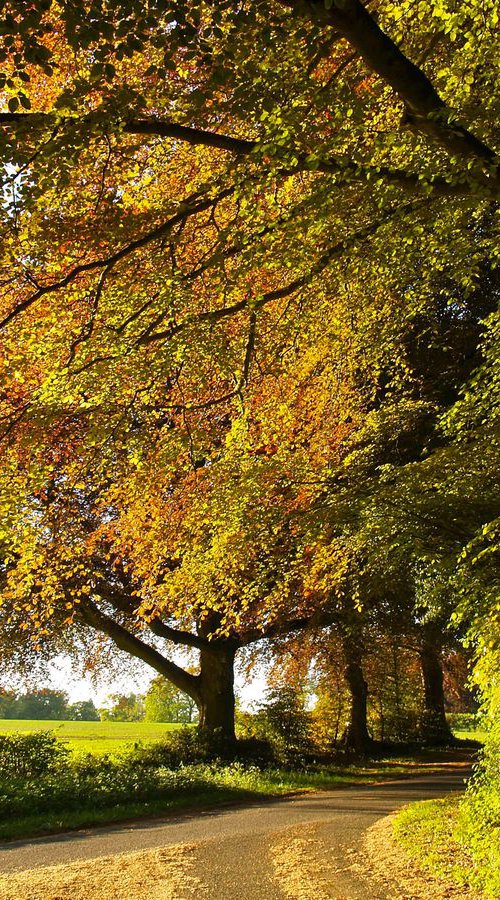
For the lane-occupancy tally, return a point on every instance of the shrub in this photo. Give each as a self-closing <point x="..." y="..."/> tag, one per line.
<point x="101" y="782"/>
<point x="184" y="747"/>
<point x="479" y="825"/>
<point x="30" y="754"/>
<point x="98" y="786"/>
<point x="281" y="729"/>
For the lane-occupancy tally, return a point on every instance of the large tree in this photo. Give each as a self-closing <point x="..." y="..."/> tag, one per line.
<point x="201" y="242"/>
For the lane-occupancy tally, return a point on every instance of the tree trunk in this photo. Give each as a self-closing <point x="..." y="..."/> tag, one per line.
<point x="434" y="728"/>
<point x="216" y="693"/>
<point x="356" y="736"/>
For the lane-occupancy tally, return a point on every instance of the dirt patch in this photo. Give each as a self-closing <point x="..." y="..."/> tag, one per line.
<point x="410" y="881"/>
<point x="160" y="874"/>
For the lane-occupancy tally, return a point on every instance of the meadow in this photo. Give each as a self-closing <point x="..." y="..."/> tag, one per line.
<point x="93" y="737"/>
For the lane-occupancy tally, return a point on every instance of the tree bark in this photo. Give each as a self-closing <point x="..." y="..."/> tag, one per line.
<point x="356" y="736"/>
<point x="434" y="728"/>
<point x="216" y="701"/>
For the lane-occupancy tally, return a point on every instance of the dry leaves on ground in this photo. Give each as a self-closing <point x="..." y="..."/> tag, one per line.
<point x="160" y="874"/>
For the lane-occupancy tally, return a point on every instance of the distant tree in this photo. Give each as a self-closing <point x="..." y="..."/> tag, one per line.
<point x="83" y="711"/>
<point x="8" y="701"/>
<point x="42" y="704"/>
<point x="166" y="703"/>
<point x="124" y="708"/>
<point x="286" y="719"/>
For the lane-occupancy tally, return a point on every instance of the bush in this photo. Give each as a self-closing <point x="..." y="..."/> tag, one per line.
<point x="479" y="826"/>
<point x="280" y="730"/>
<point x="99" y="786"/>
<point x="184" y="747"/>
<point x="26" y="755"/>
<point x="143" y="774"/>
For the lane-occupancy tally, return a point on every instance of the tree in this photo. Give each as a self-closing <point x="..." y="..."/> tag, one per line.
<point x="7" y="704"/>
<point x="331" y="73"/>
<point x="123" y="708"/>
<point x="285" y="718"/>
<point x="156" y="201"/>
<point x="83" y="711"/>
<point x="146" y="595"/>
<point x="164" y="703"/>
<point x="42" y="704"/>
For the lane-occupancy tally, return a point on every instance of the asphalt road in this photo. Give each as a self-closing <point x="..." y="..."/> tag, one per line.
<point x="233" y="843"/>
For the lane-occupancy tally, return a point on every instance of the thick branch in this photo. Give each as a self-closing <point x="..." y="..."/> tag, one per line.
<point x="426" y="110"/>
<point x="318" y="619"/>
<point x="153" y="126"/>
<point x="126" y="602"/>
<point x="177" y="636"/>
<point x="131" y="644"/>
<point x="345" y="168"/>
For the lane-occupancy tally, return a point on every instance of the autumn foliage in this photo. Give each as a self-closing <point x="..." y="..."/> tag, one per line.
<point x="249" y="381"/>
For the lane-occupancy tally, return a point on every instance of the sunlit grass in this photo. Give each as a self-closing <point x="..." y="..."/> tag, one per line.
<point x="476" y="735"/>
<point x="427" y="831"/>
<point x="93" y="737"/>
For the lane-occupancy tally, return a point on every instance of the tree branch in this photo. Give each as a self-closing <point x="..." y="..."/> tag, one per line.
<point x="427" y="112"/>
<point x="177" y="636"/>
<point x="349" y="169"/>
<point x="126" y="602"/>
<point x="318" y="619"/>
<point x="189" y="207"/>
<point x="336" y="250"/>
<point x="131" y="644"/>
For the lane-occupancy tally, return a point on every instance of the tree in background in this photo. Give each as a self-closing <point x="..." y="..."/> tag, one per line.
<point x="45" y="704"/>
<point x="165" y="703"/>
<point x="42" y="704"/>
<point x="83" y="711"/>
<point x="7" y="704"/>
<point x="461" y="693"/>
<point x="283" y="720"/>
<point x="123" y="708"/>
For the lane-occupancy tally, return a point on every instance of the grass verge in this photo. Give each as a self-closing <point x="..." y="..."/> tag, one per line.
<point x="428" y="832"/>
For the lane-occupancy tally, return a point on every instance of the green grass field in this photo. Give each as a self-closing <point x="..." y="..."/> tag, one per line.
<point x="93" y="737"/>
<point x="471" y="735"/>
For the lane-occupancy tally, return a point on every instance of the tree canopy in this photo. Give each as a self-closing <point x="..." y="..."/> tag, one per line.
<point x="249" y="317"/>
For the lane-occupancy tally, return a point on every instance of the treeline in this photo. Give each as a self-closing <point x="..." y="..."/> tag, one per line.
<point x="45" y="704"/>
<point x="161" y="703"/>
